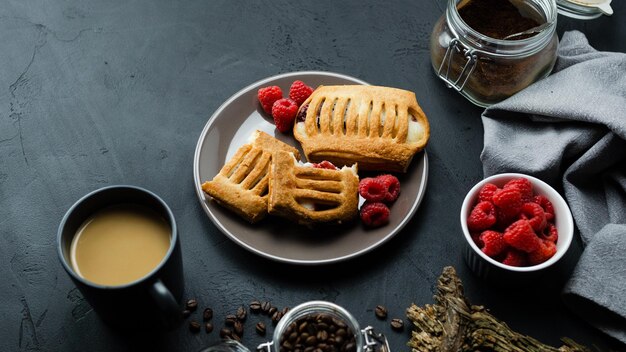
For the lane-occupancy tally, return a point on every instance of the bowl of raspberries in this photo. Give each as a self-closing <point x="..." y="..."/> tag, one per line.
<point x="514" y="223"/>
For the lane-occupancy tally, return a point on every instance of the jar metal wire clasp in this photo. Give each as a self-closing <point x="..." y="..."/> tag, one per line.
<point x="456" y="47"/>
<point x="374" y="341"/>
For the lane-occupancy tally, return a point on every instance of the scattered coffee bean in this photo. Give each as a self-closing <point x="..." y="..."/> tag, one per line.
<point x="285" y="310"/>
<point x="191" y="305"/>
<point x="194" y="326"/>
<point x="238" y="328"/>
<point x="381" y="312"/>
<point x="255" y="306"/>
<point x="225" y="333"/>
<point x="241" y="313"/>
<point x="265" y="307"/>
<point x="208" y="327"/>
<point x="272" y="310"/>
<point x="276" y="317"/>
<point x="260" y="328"/>
<point x="230" y="320"/>
<point x="207" y="314"/>
<point x="397" y="324"/>
<point x="186" y="313"/>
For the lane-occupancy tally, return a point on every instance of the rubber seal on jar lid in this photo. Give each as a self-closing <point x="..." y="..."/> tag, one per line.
<point x="584" y="9"/>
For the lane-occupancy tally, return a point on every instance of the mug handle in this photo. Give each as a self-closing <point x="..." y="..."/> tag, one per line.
<point x="167" y="304"/>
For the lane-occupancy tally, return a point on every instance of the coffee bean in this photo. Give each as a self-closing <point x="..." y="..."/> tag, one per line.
<point x="191" y="305"/>
<point x="207" y="314"/>
<point x="186" y="313"/>
<point x="312" y="333"/>
<point x="272" y="310"/>
<point x="255" y="306"/>
<point x="260" y="328"/>
<point x="397" y="324"/>
<point x="241" y="313"/>
<point x="208" y="327"/>
<point x="238" y="328"/>
<point x="225" y="332"/>
<point x="230" y="320"/>
<point x="381" y="312"/>
<point x="276" y="317"/>
<point x="265" y="307"/>
<point x="194" y="326"/>
<point x="285" y="310"/>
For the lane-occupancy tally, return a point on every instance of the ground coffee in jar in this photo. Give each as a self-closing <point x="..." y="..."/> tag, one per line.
<point x="489" y="50"/>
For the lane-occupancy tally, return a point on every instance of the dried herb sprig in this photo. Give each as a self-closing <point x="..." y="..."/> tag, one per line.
<point x="452" y="324"/>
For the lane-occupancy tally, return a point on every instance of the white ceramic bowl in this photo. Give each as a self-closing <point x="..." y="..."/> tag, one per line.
<point x="487" y="267"/>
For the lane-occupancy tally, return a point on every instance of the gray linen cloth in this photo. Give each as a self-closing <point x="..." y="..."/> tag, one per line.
<point x="569" y="130"/>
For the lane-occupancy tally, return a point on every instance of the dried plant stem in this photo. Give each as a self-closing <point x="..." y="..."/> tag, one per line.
<point x="452" y="324"/>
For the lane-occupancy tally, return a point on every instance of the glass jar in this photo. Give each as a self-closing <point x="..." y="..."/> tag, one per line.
<point x="320" y="322"/>
<point x="487" y="70"/>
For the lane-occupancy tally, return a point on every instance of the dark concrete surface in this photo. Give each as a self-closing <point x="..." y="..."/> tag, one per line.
<point x="94" y="93"/>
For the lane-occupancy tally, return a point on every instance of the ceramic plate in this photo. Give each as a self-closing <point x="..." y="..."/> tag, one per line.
<point x="276" y="238"/>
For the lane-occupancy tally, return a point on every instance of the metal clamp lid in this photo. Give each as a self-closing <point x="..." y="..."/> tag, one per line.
<point x="374" y="341"/>
<point x="456" y="47"/>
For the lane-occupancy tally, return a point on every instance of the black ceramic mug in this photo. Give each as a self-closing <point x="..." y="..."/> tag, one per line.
<point x="147" y="303"/>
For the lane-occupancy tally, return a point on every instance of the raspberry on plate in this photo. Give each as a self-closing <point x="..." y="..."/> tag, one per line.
<point x="299" y="92"/>
<point x="268" y="96"/>
<point x="509" y="200"/>
<point x="284" y="113"/>
<point x="481" y="217"/>
<point x="493" y="243"/>
<point x="520" y="235"/>
<point x="374" y="214"/>
<point x="392" y="185"/>
<point x="372" y="189"/>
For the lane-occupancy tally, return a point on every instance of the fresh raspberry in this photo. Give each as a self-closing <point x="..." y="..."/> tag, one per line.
<point x="325" y="165"/>
<point x="374" y="214"/>
<point x="520" y="235"/>
<point x="550" y="233"/>
<point x="545" y="251"/>
<point x="493" y="243"/>
<point x="393" y="187"/>
<point x="284" y="113"/>
<point x="481" y="217"/>
<point x="299" y="92"/>
<point x="267" y="96"/>
<point x="509" y="200"/>
<point x="514" y="257"/>
<point x="372" y="189"/>
<point x="486" y="192"/>
<point x="524" y="186"/>
<point x="535" y="215"/>
<point x="476" y="237"/>
<point x="505" y="219"/>
<point x="546" y="205"/>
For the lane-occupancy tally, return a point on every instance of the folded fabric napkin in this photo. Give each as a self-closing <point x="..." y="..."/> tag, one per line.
<point x="569" y="130"/>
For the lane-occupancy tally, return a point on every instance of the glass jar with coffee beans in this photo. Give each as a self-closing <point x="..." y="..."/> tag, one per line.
<point x="322" y="326"/>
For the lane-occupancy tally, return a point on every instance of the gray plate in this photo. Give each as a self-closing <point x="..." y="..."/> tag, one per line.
<point x="276" y="238"/>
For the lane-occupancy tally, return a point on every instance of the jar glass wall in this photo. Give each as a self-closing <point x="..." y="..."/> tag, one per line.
<point x="487" y="70"/>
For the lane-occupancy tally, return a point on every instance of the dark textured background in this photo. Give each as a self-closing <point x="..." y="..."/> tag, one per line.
<point x="94" y="93"/>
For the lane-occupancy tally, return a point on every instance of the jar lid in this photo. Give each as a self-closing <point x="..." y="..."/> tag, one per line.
<point x="584" y="9"/>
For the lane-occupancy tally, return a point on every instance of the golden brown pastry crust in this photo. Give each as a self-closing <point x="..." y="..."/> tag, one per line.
<point x="242" y="183"/>
<point x="374" y="126"/>
<point x="293" y="186"/>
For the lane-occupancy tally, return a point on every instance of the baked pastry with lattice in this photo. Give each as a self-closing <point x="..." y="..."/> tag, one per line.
<point x="310" y="195"/>
<point x="381" y="128"/>
<point x="242" y="183"/>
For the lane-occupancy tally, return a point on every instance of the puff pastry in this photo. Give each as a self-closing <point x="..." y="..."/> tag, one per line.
<point x="309" y="195"/>
<point x="242" y="183"/>
<point x="381" y="128"/>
